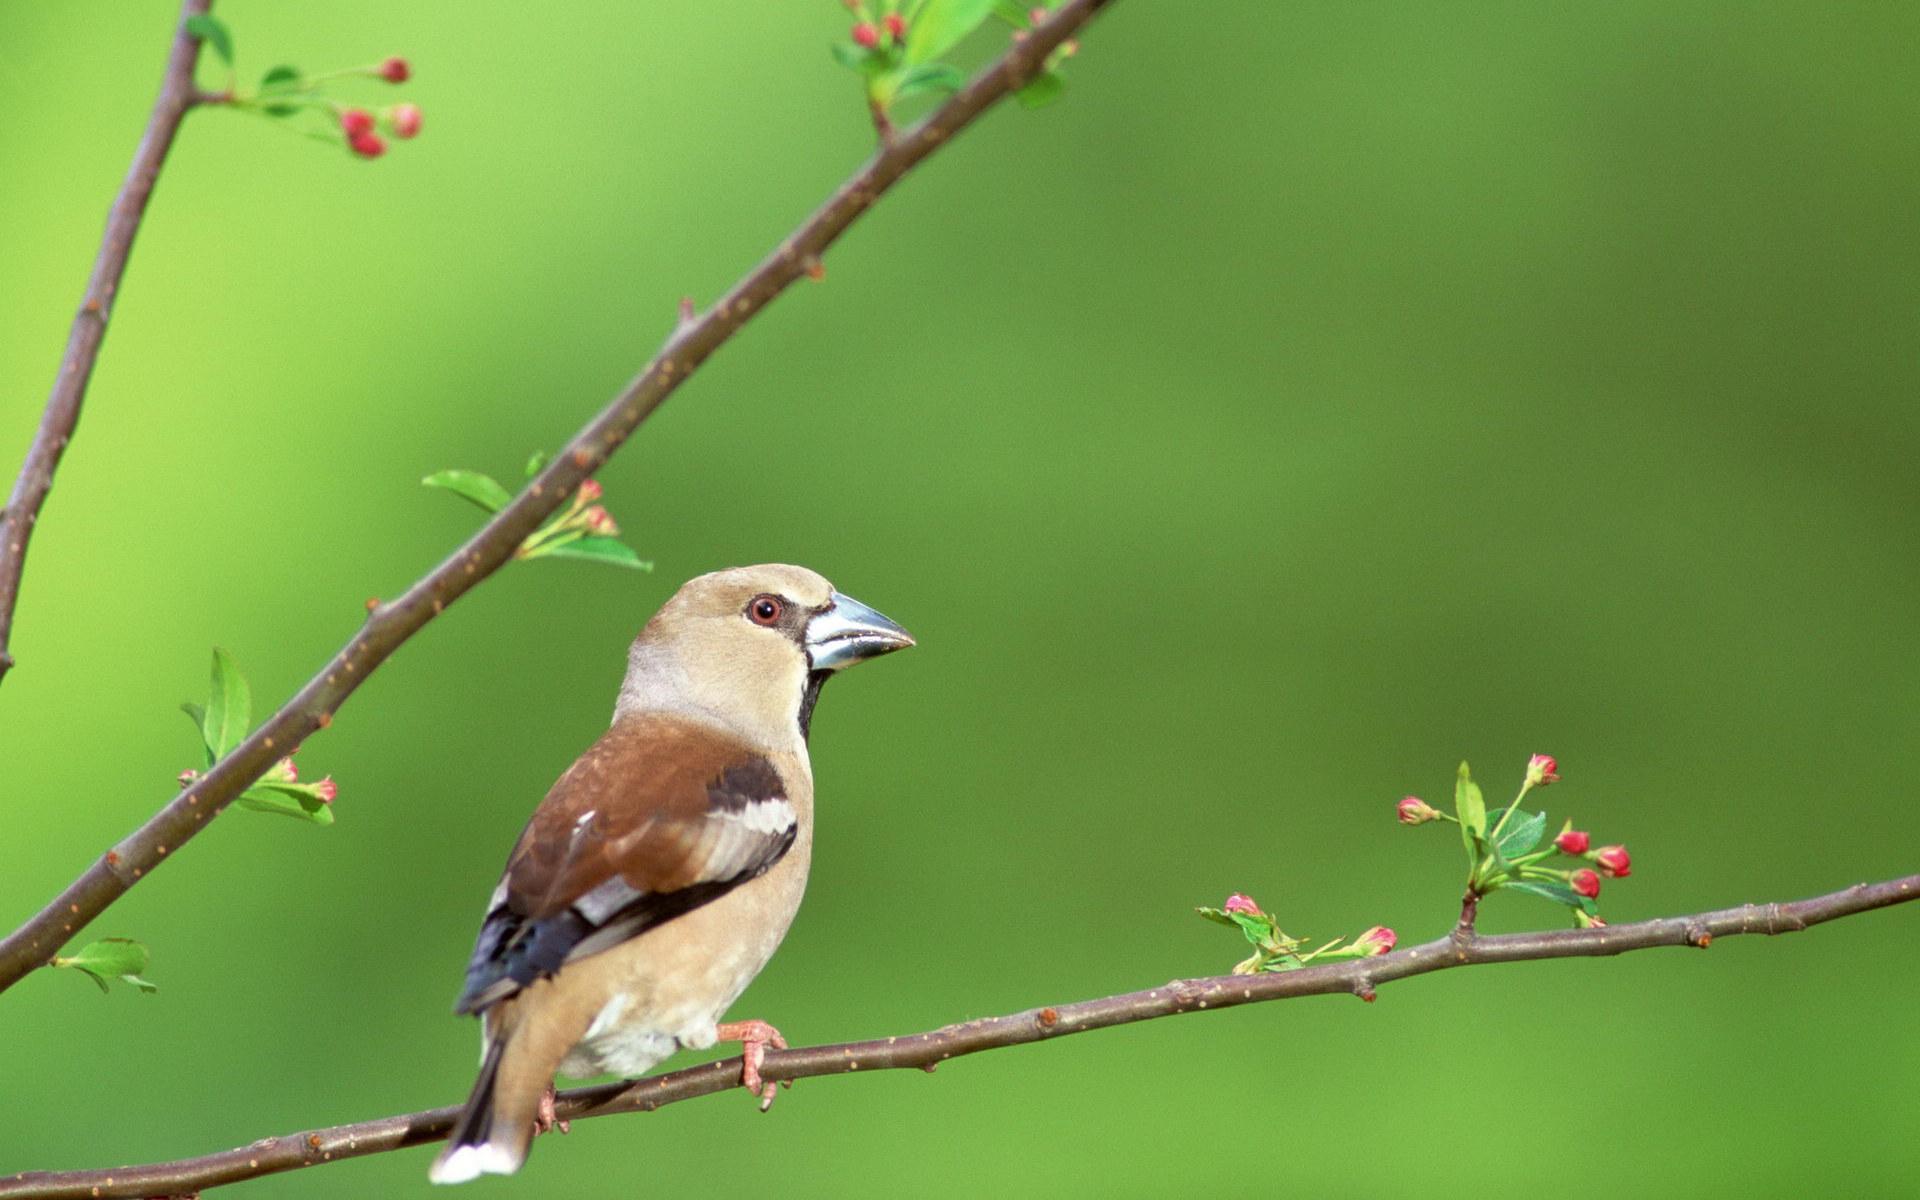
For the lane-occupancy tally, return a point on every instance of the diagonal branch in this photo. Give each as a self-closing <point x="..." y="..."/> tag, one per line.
<point x="390" y="625"/>
<point x="1357" y="977"/>
<point x="62" y="413"/>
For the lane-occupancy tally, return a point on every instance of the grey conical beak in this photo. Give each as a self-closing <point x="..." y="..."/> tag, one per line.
<point x="849" y="632"/>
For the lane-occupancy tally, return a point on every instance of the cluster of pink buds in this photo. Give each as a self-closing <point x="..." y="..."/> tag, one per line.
<point x="868" y="33"/>
<point x="1504" y="844"/>
<point x="284" y="777"/>
<point x="362" y="127"/>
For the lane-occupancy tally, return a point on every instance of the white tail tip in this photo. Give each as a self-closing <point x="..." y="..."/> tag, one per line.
<point x="464" y="1163"/>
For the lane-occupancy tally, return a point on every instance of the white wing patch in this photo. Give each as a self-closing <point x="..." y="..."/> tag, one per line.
<point x="773" y="815"/>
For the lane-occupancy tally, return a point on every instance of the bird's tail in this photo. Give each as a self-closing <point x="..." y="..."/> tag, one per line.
<point x="480" y="1144"/>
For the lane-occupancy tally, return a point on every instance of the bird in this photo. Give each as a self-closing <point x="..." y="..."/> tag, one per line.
<point x="663" y="868"/>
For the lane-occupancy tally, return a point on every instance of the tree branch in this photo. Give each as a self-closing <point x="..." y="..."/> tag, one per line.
<point x="62" y="414"/>
<point x="390" y="625"/>
<point x="1358" y="977"/>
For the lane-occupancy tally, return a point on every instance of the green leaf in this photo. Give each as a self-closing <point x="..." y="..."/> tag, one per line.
<point x="287" y="802"/>
<point x="141" y="985"/>
<point x="1012" y="13"/>
<point x="928" y="77"/>
<point x="940" y="26"/>
<point x="611" y="551"/>
<point x="1217" y="915"/>
<point x="1471" y="808"/>
<point x="1043" y="89"/>
<point x="472" y="485"/>
<point x="538" y="463"/>
<point x="281" y="79"/>
<point x="110" y="958"/>
<point x="199" y="717"/>
<point x="1522" y="834"/>
<point x="276" y="76"/>
<point x="850" y="56"/>
<point x="1559" y="893"/>
<point x="212" y="31"/>
<point x="229" y="708"/>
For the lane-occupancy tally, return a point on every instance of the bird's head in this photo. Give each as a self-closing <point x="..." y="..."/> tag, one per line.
<point x="750" y="647"/>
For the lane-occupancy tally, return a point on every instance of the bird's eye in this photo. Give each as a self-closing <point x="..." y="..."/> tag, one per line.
<point x="765" y="610"/>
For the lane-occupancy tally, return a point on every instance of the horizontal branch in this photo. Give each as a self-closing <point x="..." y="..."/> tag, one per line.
<point x="62" y="414"/>
<point x="925" y="1051"/>
<point x="390" y="625"/>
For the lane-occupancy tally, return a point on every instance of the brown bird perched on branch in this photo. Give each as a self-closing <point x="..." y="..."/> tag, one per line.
<point x="657" y="877"/>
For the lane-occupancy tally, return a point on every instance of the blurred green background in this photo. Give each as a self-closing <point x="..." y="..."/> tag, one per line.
<point x="1320" y="394"/>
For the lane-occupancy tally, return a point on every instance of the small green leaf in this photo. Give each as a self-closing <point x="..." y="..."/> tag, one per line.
<point x="611" y="551"/>
<point x="538" y="463"/>
<point x="851" y="56"/>
<point x="141" y="985"/>
<point x="1559" y="893"/>
<point x="1217" y="915"/>
<point x="198" y="716"/>
<point x="229" y="707"/>
<point x="1521" y="835"/>
<point x="287" y="802"/>
<point x="1043" y="89"/>
<point x="276" y="76"/>
<point x="1012" y="13"/>
<point x="928" y="77"/>
<point x="212" y="31"/>
<point x="280" y="80"/>
<point x="1471" y="808"/>
<point x="110" y="958"/>
<point x="941" y="24"/>
<point x="472" y="485"/>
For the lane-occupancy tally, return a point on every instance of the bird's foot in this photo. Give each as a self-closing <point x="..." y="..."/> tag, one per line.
<point x="545" y="1120"/>
<point x="754" y="1038"/>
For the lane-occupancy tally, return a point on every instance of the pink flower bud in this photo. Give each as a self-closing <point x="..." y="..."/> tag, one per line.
<point x="396" y="70"/>
<point x="356" y="121"/>
<point x="1240" y="902"/>
<point x="326" y="789"/>
<point x="1037" y="15"/>
<point x="188" y="776"/>
<point x="367" y="145"/>
<point x="1585" y="883"/>
<point x="589" y="491"/>
<point x="1415" y="811"/>
<point x="1586" y="921"/>
<point x="1375" y="941"/>
<point x="1572" y="841"/>
<point x="283" y="772"/>
<point x="866" y="34"/>
<point x="896" y="26"/>
<point x="1614" y="861"/>
<point x="599" y="522"/>
<point x="405" y="120"/>
<point x="1541" y="770"/>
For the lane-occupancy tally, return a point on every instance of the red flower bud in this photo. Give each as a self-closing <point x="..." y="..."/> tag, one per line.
<point x="590" y="490"/>
<point x="356" y="121"/>
<point x="1541" y="770"/>
<point x="896" y="26"/>
<point x="367" y="145"/>
<point x="1377" y="940"/>
<point x="1572" y="841"/>
<point x="1415" y="811"/>
<point x="405" y="120"/>
<point x="1614" y="861"/>
<point x="1586" y="883"/>
<point x="326" y="789"/>
<point x="866" y="34"/>
<point x="599" y="522"/>
<point x="1240" y="902"/>
<point x="396" y="70"/>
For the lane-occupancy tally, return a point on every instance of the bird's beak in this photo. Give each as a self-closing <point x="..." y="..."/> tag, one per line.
<point x="848" y="632"/>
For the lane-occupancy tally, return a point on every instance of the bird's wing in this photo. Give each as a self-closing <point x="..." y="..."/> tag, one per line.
<point x="653" y="821"/>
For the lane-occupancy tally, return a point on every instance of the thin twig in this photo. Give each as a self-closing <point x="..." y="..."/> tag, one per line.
<point x="925" y="1051"/>
<point x="177" y="97"/>
<point x="390" y="625"/>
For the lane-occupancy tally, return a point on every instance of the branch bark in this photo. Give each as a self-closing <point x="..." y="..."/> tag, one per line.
<point x="62" y="414"/>
<point x="390" y="625"/>
<point x="925" y="1051"/>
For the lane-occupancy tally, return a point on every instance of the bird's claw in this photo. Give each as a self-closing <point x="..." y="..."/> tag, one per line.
<point x="754" y="1038"/>
<point x="545" y="1119"/>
